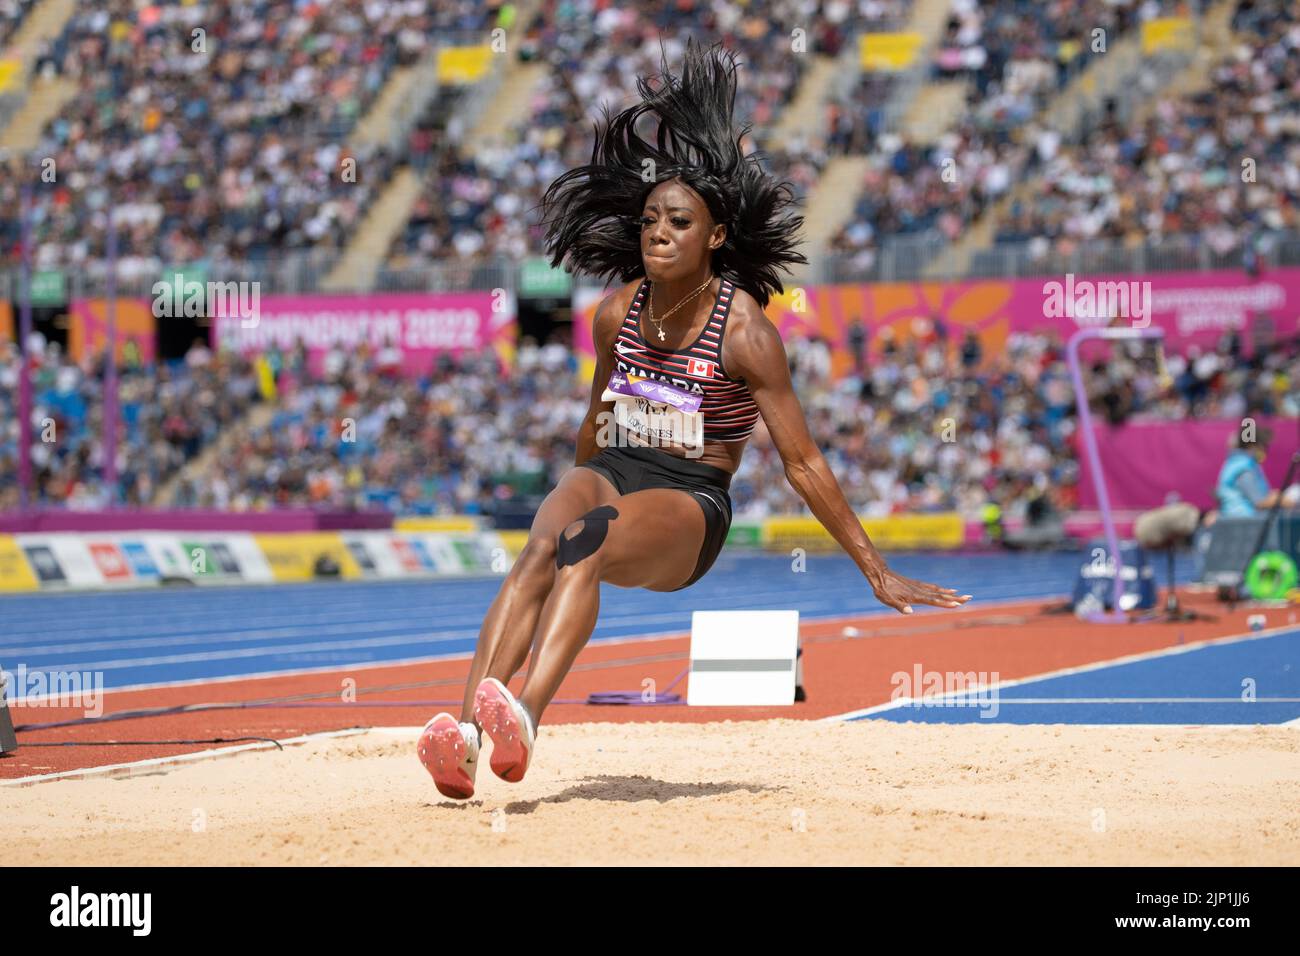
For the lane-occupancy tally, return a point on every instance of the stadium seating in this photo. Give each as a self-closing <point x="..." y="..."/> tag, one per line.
<point x="437" y="446"/>
<point x="232" y="156"/>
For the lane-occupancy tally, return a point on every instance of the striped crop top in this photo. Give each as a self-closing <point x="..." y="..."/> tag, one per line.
<point x="726" y="406"/>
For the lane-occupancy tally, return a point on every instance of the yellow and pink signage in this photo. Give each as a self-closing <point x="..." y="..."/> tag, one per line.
<point x="1192" y="307"/>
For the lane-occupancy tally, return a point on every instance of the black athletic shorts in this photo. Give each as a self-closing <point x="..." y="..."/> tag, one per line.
<point x="636" y="469"/>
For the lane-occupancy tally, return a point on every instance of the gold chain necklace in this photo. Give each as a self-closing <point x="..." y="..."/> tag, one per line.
<point x="659" y="323"/>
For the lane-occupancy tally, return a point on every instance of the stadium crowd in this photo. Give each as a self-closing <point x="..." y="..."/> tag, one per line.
<point x="12" y="15"/>
<point x="1015" y="55"/>
<point x="360" y="435"/>
<point x="480" y="206"/>
<point x="925" y="424"/>
<point x="236" y="155"/>
<point x="930" y="425"/>
<point x="217" y="131"/>
<point x="1220" y="166"/>
<point x="230" y="155"/>
<point x="168" y="412"/>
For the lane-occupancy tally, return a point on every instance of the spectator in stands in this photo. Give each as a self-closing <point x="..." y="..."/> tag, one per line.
<point x="1242" y="490"/>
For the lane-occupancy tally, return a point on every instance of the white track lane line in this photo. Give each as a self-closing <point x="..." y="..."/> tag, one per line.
<point x="1068" y="671"/>
<point x="153" y="764"/>
<point x="467" y="654"/>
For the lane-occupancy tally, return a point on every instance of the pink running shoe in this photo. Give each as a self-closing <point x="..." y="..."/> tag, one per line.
<point x="504" y="720"/>
<point x="449" y="751"/>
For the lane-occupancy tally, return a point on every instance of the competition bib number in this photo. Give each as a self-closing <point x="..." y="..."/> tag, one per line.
<point x="660" y="413"/>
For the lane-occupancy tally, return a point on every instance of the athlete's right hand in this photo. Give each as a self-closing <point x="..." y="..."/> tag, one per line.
<point x="900" y="593"/>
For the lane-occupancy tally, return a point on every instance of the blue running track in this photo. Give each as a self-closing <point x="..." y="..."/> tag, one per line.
<point x="149" y="637"/>
<point x="1252" y="680"/>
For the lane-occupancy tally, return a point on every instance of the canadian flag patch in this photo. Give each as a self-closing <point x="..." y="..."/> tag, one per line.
<point x="700" y="367"/>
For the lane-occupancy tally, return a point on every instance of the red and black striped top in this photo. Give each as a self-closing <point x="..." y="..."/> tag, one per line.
<point x="727" y="407"/>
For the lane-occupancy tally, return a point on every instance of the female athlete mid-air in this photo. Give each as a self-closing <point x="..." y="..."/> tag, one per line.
<point x="686" y="362"/>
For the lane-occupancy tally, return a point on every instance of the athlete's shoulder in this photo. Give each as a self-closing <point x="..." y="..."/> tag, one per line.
<point x="611" y="312"/>
<point x="751" y="336"/>
<point x="748" y="323"/>
<point x="620" y="300"/>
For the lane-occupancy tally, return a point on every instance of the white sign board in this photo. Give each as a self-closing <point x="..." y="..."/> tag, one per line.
<point x="742" y="658"/>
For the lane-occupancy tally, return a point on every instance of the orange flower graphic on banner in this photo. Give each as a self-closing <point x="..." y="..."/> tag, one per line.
<point x="901" y="310"/>
<point x="89" y="328"/>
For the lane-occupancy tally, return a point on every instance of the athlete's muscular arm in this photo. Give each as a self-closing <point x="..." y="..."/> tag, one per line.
<point x="604" y="328"/>
<point x="755" y="353"/>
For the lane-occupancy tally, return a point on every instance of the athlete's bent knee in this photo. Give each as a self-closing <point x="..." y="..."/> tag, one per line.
<point x="537" y="554"/>
<point x="583" y="543"/>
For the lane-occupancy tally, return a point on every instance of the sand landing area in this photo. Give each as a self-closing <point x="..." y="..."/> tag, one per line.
<point x="751" y="792"/>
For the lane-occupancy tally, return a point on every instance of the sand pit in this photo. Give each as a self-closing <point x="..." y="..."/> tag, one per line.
<point x="760" y="792"/>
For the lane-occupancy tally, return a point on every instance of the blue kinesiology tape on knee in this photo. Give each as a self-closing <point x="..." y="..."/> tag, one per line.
<point x="595" y="526"/>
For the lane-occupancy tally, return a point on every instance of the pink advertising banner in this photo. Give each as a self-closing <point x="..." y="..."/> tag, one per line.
<point x="421" y="325"/>
<point x="1143" y="462"/>
<point x="1192" y="307"/>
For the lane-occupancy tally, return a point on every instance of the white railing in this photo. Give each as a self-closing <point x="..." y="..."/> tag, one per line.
<point x="904" y="259"/>
<point x="900" y="260"/>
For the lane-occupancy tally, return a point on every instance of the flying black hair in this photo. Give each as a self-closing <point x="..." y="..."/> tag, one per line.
<point x="592" y="213"/>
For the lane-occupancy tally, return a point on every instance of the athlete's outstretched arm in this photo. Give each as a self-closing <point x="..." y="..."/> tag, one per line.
<point x="755" y="353"/>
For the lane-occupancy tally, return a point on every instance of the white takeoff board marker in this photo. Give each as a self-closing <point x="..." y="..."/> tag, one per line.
<point x="742" y="658"/>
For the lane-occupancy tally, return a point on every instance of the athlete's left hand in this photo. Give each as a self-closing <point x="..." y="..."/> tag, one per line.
<point x="900" y="593"/>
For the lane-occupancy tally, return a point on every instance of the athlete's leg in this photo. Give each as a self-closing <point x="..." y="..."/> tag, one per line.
<point x="649" y="539"/>
<point x="507" y="631"/>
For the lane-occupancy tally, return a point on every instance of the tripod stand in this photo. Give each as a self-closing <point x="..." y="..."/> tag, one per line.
<point x="1174" y="611"/>
<point x="8" y="742"/>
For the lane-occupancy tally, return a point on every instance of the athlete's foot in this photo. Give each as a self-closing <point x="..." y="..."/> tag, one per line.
<point x="449" y="751"/>
<point x="509" y="725"/>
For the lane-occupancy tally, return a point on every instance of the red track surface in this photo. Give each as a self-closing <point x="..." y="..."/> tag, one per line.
<point x="841" y="674"/>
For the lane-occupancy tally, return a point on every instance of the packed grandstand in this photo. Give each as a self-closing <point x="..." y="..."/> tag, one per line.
<point x="227" y="158"/>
